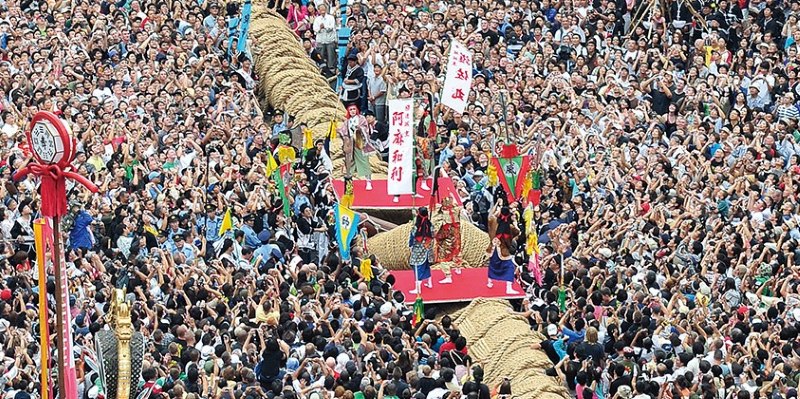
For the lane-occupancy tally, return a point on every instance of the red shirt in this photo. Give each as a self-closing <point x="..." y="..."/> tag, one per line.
<point x="450" y="346"/>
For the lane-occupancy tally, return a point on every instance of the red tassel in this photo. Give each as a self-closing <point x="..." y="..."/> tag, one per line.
<point x="535" y="197"/>
<point x="509" y="151"/>
<point x="53" y="186"/>
<point x="54" y="196"/>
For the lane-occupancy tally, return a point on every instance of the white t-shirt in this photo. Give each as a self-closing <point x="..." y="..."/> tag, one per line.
<point x="102" y="93"/>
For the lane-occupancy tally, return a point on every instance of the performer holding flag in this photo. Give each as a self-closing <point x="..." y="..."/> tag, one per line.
<point x="421" y="243"/>
<point x="502" y="232"/>
<point x="356" y="145"/>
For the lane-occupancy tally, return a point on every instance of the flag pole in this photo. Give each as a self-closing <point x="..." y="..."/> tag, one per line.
<point x="205" y="189"/>
<point x="505" y="115"/>
<point x="61" y="292"/>
<point x="413" y="226"/>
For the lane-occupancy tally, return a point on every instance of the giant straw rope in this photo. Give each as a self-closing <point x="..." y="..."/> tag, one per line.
<point x="291" y="82"/>
<point x="501" y="343"/>
<point x="392" y="249"/>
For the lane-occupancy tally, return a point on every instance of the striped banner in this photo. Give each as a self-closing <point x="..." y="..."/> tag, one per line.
<point x="70" y="382"/>
<point x="44" y="328"/>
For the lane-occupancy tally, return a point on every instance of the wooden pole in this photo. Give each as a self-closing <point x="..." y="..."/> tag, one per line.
<point x="505" y="116"/>
<point x="60" y="295"/>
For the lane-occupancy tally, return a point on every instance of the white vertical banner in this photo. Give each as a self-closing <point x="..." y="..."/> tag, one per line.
<point x="458" y="81"/>
<point x="401" y="147"/>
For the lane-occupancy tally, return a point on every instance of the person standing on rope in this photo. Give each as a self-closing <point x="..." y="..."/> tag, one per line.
<point x="502" y="233"/>
<point x="352" y="82"/>
<point x="325" y="29"/>
<point x="421" y="243"/>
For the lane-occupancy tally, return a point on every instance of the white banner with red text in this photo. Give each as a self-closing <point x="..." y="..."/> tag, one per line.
<point x="401" y="147"/>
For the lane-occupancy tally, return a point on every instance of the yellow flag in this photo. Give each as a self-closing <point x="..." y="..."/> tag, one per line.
<point x="532" y="241"/>
<point x="286" y="154"/>
<point x="272" y="166"/>
<point x="308" y="140"/>
<point x="346" y="228"/>
<point x="227" y="222"/>
<point x="366" y="269"/>
<point x="152" y="230"/>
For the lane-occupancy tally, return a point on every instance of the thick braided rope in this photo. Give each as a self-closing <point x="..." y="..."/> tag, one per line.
<point x="290" y="81"/>
<point x="501" y="342"/>
<point x="391" y="247"/>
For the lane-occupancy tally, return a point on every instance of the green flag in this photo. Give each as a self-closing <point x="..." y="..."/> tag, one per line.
<point x="537" y="180"/>
<point x="562" y="299"/>
<point x="419" y="312"/>
<point x="276" y="174"/>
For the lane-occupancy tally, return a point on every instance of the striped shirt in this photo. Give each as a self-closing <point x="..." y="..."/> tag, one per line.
<point x="788" y="112"/>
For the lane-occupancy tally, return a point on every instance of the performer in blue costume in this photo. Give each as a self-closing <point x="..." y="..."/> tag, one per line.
<point x="501" y="262"/>
<point x="421" y="243"/>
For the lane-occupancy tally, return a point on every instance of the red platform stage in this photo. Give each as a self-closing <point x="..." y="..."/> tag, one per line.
<point x="468" y="285"/>
<point x="378" y="198"/>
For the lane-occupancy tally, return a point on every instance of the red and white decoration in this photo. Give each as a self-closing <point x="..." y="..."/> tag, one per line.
<point x="53" y="148"/>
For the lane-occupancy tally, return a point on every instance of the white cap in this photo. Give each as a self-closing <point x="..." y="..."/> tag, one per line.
<point x="386" y="309"/>
<point x="296" y="260"/>
<point x="552" y="330"/>
<point x="206" y="351"/>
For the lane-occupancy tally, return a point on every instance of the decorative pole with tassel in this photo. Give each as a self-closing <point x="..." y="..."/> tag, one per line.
<point x="53" y="149"/>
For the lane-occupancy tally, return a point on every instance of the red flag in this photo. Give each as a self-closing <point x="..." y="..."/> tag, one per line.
<point x="509" y="171"/>
<point x="535" y="197"/>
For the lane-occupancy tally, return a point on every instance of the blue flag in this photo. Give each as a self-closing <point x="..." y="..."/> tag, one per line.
<point x="346" y="228"/>
<point x="244" y="26"/>
<point x="344" y="38"/>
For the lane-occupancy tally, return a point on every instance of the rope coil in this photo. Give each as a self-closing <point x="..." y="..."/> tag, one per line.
<point x="501" y="343"/>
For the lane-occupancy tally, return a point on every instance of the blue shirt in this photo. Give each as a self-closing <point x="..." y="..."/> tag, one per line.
<point x="212" y="229"/>
<point x="265" y="251"/>
<point x="574" y="336"/>
<point x="155" y="190"/>
<point x="169" y="246"/>
<point x="299" y="201"/>
<point x="80" y="236"/>
<point x="278" y="128"/>
<point x="560" y="348"/>
<point x="187" y="251"/>
<point x="171" y="233"/>
<point x="250" y="237"/>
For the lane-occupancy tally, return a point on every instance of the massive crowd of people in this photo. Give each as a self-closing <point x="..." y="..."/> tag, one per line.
<point x="666" y="131"/>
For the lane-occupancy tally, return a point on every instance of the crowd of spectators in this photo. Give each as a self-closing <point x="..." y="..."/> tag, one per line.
<point x="666" y="132"/>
